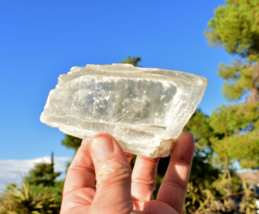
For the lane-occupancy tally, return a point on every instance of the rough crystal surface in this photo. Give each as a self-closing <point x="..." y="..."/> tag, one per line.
<point x="145" y="109"/>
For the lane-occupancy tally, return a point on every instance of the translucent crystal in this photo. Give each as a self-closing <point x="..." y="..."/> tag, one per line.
<point x="145" y="109"/>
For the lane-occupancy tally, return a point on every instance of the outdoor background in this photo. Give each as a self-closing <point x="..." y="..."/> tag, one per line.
<point x="39" y="40"/>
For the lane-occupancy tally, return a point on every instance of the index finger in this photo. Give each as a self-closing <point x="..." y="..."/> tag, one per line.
<point x="80" y="173"/>
<point x="174" y="186"/>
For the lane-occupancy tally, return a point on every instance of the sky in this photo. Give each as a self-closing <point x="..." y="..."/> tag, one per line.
<point x="40" y="40"/>
<point x="12" y="171"/>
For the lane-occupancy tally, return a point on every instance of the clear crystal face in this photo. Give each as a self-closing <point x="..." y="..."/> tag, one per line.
<point x="145" y="109"/>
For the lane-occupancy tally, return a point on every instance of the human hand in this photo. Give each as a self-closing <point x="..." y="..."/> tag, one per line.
<point x="99" y="179"/>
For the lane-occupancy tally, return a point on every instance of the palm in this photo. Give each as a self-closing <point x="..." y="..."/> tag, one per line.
<point x="80" y="194"/>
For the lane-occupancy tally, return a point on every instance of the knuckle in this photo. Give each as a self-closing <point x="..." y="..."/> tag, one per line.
<point x="149" y="181"/>
<point x="112" y="172"/>
<point x="175" y="185"/>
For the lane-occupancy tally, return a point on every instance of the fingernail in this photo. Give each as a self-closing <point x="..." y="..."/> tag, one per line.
<point x="102" y="147"/>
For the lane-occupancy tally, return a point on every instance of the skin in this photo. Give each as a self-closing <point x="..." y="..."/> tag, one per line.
<point x="99" y="180"/>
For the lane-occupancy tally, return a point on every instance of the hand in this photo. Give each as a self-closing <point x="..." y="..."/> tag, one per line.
<point x="99" y="179"/>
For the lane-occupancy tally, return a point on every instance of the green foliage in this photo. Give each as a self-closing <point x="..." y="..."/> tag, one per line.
<point x="16" y="200"/>
<point x="40" y="192"/>
<point x="203" y="174"/>
<point x="200" y="128"/>
<point x="234" y="129"/>
<point x="72" y="142"/>
<point x="43" y="173"/>
<point x="247" y="204"/>
<point x="239" y="125"/>
<point x="133" y="61"/>
<point x="241" y="79"/>
<point x="56" y="189"/>
<point x="236" y="27"/>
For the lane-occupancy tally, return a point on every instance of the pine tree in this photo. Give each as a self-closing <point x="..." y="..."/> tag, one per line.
<point x="43" y="173"/>
<point x="235" y="27"/>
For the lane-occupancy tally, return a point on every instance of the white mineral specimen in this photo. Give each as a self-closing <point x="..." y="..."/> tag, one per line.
<point x="145" y="109"/>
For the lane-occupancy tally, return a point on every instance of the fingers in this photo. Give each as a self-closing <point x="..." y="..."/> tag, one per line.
<point x="80" y="173"/>
<point x="113" y="175"/>
<point x="173" y="188"/>
<point x="144" y="178"/>
<point x="155" y="207"/>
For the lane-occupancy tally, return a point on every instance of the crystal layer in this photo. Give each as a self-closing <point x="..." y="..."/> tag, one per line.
<point x="145" y="109"/>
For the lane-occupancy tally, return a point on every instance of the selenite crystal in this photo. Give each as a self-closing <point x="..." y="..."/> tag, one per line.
<point x="145" y="109"/>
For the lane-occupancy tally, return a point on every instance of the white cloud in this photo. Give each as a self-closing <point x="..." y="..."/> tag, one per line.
<point x="14" y="170"/>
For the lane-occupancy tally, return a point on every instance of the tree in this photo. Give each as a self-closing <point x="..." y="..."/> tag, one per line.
<point x="41" y="193"/>
<point x="236" y="27"/>
<point x="236" y="128"/>
<point x="43" y="173"/>
<point x="71" y="142"/>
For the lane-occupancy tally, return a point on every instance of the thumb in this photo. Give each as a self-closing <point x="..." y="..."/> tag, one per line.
<point x="113" y="176"/>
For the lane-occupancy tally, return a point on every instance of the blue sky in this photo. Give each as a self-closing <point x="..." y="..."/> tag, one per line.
<point x="40" y="40"/>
